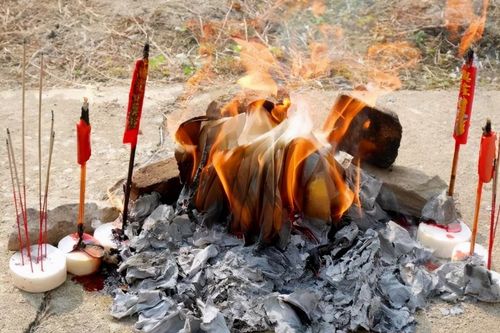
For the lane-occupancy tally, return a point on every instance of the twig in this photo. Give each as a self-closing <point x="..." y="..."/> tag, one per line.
<point x="60" y="78"/>
<point x="224" y="23"/>
<point x="153" y="42"/>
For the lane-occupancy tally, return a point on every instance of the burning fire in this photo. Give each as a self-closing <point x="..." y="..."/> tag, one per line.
<point x="460" y="13"/>
<point x="259" y="161"/>
<point x="265" y="166"/>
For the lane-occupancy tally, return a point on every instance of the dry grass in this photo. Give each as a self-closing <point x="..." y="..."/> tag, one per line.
<point x="95" y="41"/>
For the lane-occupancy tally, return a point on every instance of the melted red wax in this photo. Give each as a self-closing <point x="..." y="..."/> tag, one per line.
<point x="105" y="280"/>
<point x="431" y="266"/>
<point x="92" y="282"/>
<point x="452" y="227"/>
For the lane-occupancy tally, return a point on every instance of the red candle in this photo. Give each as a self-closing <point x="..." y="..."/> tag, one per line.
<point x="487" y="154"/>
<point x="135" y="100"/>
<point x="465" y="99"/>
<point x="83" y="136"/>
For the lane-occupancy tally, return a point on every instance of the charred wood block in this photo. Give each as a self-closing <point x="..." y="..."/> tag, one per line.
<point x="374" y="135"/>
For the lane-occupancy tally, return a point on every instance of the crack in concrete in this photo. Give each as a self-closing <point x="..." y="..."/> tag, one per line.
<point x="41" y="313"/>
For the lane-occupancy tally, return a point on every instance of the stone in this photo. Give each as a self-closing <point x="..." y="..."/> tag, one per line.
<point x="405" y="190"/>
<point x="161" y="177"/>
<point x="62" y="222"/>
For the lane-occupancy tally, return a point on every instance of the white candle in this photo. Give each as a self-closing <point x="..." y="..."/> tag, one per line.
<point x="440" y="240"/>
<point x="78" y="262"/>
<point x="104" y="234"/>
<point x="38" y="281"/>
<point x="461" y="252"/>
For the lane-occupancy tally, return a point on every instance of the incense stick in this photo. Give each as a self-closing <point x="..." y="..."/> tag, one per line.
<point x="42" y="238"/>
<point x="15" y="204"/>
<point x="23" y="208"/>
<point x="40" y="146"/>
<point x="493" y="213"/>
<point x="45" y="198"/>
<point x="23" y="107"/>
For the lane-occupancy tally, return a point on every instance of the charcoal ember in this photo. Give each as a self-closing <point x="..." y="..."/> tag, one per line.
<point x="373" y="135"/>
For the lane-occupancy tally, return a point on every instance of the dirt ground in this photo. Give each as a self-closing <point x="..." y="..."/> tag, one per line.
<point x="89" y="47"/>
<point x="426" y="117"/>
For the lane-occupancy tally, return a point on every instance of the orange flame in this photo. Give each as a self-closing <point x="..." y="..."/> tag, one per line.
<point x="258" y="62"/>
<point x="460" y="13"/>
<point x="318" y="7"/>
<point x="267" y="164"/>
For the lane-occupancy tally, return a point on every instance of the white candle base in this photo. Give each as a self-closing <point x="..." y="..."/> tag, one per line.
<point x="461" y="252"/>
<point x="38" y="281"/>
<point x="104" y="234"/>
<point x="78" y="262"/>
<point x="440" y="240"/>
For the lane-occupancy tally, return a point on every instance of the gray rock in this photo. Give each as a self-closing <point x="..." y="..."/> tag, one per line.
<point x="406" y="190"/>
<point x="62" y="222"/>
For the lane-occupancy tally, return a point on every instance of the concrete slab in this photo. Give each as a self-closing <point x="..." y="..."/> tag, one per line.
<point x="427" y="119"/>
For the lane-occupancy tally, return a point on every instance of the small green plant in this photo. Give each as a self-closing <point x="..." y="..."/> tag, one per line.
<point x="188" y="69"/>
<point x="420" y="39"/>
<point x="236" y="48"/>
<point x="157" y="61"/>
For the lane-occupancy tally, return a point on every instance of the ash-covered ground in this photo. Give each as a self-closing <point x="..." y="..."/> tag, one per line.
<point x="184" y="277"/>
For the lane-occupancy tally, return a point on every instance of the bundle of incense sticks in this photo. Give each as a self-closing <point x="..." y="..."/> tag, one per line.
<point x="19" y="187"/>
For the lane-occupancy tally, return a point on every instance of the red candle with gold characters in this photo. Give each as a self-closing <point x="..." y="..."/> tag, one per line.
<point x="464" y="112"/>
<point x="136" y="98"/>
<point x="465" y="99"/>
